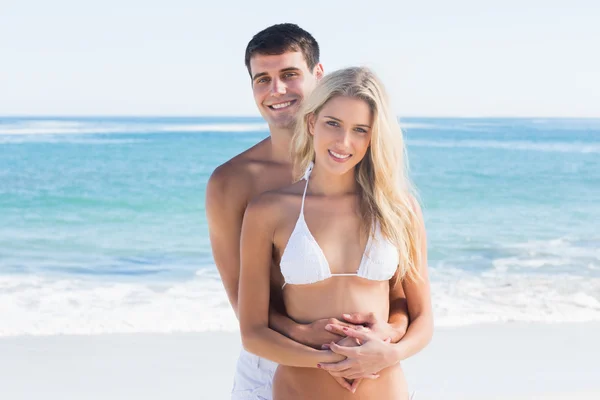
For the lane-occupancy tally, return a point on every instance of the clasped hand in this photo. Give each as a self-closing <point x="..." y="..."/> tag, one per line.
<point x="366" y="346"/>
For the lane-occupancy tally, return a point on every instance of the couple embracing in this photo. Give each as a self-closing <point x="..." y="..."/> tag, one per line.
<point x="317" y="233"/>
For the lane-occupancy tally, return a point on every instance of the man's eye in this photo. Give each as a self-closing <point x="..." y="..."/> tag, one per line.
<point x="289" y="74"/>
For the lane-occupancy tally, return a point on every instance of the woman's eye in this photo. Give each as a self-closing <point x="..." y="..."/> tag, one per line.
<point x="332" y="123"/>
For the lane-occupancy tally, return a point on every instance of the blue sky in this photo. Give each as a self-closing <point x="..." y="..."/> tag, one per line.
<point x="184" y="57"/>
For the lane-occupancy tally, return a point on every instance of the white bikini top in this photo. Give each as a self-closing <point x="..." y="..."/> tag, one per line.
<point x="304" y="262"/>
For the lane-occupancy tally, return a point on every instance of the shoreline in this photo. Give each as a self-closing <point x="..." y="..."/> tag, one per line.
<point x="492" y="361"/>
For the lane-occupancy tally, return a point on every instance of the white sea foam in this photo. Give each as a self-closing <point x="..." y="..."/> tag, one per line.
<point x="499" y="297"/>
<point x="53" y="127"/>
<point x="38" y="306"/>
<point x="557" y="147"/>
<point x="59" y="127"/>
<point x="18" y="139"/>
<point x="417" y="125"/>
<point x="42" y="306"/>
<point x="562" y="255"/>
<point x="214" y="128"/>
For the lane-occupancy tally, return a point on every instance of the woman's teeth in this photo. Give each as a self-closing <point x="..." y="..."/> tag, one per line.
<point x="338" y="155"/>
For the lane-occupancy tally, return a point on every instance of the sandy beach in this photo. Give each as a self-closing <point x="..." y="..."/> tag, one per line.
<point x="503" y="361"/>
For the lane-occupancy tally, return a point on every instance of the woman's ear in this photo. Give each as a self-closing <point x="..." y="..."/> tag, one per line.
<point x="310" y="122"/>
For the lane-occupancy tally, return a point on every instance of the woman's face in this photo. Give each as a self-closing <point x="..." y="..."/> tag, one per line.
<point x="342" y="133"/>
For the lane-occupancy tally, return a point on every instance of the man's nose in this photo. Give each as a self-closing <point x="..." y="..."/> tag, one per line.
<point x="277" y="87"/>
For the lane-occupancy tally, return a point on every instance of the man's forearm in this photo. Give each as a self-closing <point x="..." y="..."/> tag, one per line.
<point x="399" y="318"/>
<point x="284" y="325"/>
<point x="399" y="323"/>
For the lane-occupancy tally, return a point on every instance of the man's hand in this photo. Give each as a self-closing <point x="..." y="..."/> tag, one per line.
<point x="315" y="334"/>
<point x="379" y="327"/>
<point x="365" y="361"/>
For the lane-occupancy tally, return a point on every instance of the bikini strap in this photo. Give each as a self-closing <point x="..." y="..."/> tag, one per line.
<point x="306" y="176"/>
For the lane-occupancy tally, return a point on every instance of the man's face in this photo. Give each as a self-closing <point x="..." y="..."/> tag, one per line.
<point x="279" y="84"/>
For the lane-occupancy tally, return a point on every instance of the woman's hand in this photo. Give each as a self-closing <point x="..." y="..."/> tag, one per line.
<point x="349" y="384"/>
<point x="364" y="361"/>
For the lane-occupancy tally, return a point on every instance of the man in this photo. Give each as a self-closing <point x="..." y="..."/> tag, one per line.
<point x="283" y="63"/>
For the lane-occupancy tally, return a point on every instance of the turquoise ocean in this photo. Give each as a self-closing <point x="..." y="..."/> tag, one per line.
<point x="103" y="226"/>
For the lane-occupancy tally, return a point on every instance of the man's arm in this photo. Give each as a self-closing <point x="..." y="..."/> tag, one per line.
<point x="399" y="318"/>
<point x="314" y="334"/>
<point x="226" y="199"/>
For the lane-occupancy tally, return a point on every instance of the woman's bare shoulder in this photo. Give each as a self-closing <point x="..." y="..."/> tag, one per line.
<point x="278" y="203"/>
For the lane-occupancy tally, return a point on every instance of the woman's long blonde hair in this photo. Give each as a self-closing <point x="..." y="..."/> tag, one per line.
<point x="386" y="192"/>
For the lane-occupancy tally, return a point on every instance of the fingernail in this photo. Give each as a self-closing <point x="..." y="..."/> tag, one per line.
<point x="328" y="327"/>
<point x="319" y="366"/>
<point x="345" y="328"/>
<point x="346" y="315"/>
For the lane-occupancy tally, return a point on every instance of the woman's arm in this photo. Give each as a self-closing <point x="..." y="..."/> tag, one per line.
<point x="254" y="292"/>
<point x="418" y="298"/>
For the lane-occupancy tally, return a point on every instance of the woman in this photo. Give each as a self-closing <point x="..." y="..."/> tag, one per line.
<point x="347" y="237"/>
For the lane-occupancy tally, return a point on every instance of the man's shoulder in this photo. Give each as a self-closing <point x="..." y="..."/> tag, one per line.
<point x="270" y="204"/>
<point x="233" y="171"/>
<point x="278" y="201"/>
<point x="238" y="174"/>
<point x="242" y="166"/>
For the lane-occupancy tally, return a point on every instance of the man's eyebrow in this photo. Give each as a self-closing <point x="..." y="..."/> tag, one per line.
<point x="290" y="69"/>
<point x="259" y="75"/>
<point x="339" y="120"/>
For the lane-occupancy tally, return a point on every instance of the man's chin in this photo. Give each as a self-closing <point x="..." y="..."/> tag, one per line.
<point x="287" y="123"/>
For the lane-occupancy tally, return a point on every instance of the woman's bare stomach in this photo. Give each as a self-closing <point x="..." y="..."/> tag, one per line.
<point x="333" y="298"/>
<point x="293" y="383"/>
<point x="336" y="296"/>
